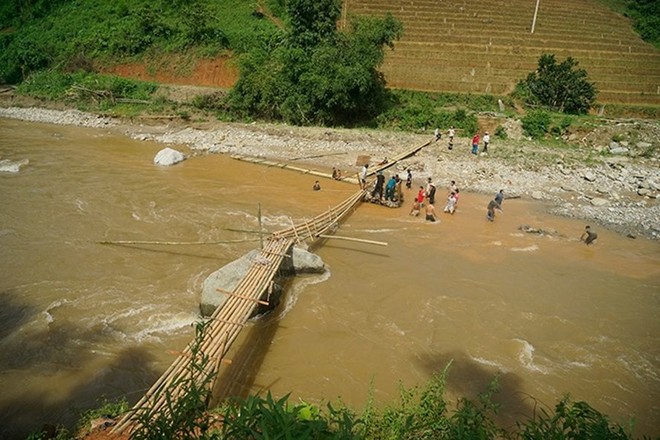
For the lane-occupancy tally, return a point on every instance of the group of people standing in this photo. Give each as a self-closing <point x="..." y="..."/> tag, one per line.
<point x="426" y="198"/>
<point x="393" y="195"/>
<point x="475" y="143"/>
<point x="476" y="140"/>
<point x="393" y="191"/>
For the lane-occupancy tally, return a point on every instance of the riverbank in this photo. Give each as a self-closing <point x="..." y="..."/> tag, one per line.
<point x="614" y="184"/>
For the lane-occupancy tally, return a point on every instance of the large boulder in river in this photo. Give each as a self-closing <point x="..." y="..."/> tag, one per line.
<point x="301" y="262"/>
<point x="227" y="277"/>
<point x="168" y="156"/>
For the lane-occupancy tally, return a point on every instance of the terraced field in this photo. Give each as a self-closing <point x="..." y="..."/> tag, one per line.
<point x="473" y="46"/>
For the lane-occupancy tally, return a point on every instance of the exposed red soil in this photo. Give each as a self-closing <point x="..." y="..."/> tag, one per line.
<point x="217" y="72"/>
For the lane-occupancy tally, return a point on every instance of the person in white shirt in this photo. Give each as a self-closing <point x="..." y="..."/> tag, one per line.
<point x="451" y="134"/>
<point x="363" y="176"/>
<point x="486" y="142"/>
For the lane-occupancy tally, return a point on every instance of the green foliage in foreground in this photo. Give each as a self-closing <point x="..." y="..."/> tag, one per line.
<point x="559" y="87"/>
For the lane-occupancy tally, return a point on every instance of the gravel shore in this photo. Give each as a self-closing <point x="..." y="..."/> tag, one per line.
<point x="613" y="183"/>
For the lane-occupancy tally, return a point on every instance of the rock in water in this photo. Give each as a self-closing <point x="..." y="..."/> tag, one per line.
<point x="227" y="277"/>
<point x="168" y="156"/>
<point x="8" y="166"/>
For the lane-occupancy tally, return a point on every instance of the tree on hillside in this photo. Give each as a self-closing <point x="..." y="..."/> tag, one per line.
<point x="558" y="87"/>
<point x="314" y="73"/>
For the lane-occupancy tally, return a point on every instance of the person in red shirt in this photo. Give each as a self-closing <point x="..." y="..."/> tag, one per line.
<point x="421" y="195"/>
<point x="475" y="144"/>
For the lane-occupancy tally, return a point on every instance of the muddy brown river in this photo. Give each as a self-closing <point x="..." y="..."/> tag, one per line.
<point x="80" y="321"/>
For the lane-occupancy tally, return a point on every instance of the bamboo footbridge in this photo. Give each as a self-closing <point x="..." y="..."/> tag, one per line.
<point x="227" y="321"/>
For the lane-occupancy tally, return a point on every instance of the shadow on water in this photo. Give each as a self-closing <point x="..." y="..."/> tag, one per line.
<point x="237" y="379"/>
<point x="63" y="350"/>
<point x="467" y="378"/>
<point x="13" y="314"/>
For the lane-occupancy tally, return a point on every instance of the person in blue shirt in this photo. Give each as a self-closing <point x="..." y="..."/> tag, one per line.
<point x="389" y="189"/>
<point x="499" y="197"/>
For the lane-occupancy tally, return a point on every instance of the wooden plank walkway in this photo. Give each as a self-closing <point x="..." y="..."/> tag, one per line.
<point x="227" y="321"/>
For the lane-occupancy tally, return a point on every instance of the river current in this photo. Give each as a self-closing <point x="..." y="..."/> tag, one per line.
<point x="81" y="321"/>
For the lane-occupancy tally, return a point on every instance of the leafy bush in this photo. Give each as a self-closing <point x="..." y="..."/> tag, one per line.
<point x="83" y="86"/>
<point x="561" y="128"/>
<point x="536" y="124"/>
<point x="184" y="414"/>
<point x="558" y="87"/>
<point x="315" y="74"/>
<point x="571" y="421"/>
<point x="210" y="102"/>
<point x="646" y="19"/>
<point x="257" y="417"/>
<point x="500" y="132"/>
<point x="110" y="409"/>
<point x="47" y="84"/>
<point x="415" y="111"/>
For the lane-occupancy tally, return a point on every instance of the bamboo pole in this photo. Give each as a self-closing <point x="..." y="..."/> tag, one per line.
<point x="536" y="11"/>
<point x="360" y="240"/>
<point x="258" y="301"/>
<point x="170" y="243"/>
<point x="261" y="233"/>
<point x="315" y="156"/>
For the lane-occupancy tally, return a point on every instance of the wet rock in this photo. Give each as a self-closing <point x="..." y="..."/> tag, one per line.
<point x="12" y="166"/>
<point x="168" y="156"/>
<point x="302" y="262"/>
<point x="540" y="231"/>
<point x="227" y="278"/>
